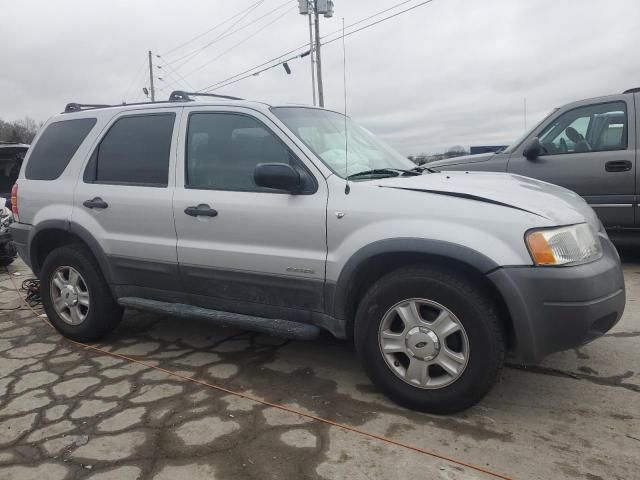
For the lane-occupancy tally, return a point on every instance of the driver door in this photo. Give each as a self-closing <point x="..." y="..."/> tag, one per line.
<point x="588" y="149"/>
<point x="251" y="250"/>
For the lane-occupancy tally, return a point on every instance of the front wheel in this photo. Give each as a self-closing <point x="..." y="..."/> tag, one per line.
<point x="430" y="339"/>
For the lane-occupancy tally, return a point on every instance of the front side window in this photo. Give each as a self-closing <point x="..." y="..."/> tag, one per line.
<point x="223" y="150"/>
<point x="55" y="148"/>
<point x="135" y="151"/>
<point x="323" y="132"/>
<point x="593" y="128"/>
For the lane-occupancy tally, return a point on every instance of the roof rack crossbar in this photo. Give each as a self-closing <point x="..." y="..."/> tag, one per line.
<point x="77" y="107"/>
<point x="180" y="96"/>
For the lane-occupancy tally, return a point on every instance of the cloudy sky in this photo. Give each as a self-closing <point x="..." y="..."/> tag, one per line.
<point x="451" y="72"/>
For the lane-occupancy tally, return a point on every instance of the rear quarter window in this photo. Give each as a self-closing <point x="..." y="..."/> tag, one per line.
<point x="55" y="148"/>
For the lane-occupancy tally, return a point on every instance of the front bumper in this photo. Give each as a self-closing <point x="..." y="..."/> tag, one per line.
<point x="557" y="308"/>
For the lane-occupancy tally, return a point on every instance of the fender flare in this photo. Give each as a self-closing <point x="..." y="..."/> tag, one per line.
<point x="71" y="227"/>
<point x="337" y="295"/>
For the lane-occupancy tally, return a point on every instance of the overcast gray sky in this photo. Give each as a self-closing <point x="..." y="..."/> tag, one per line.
<point x="450" y="72"/>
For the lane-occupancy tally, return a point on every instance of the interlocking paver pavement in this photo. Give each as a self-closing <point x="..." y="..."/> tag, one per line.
<point x="67" y="412"/>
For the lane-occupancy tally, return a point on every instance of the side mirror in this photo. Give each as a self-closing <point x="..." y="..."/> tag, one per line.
<point x="533" y="149"/>
<point x="280" y="176"/>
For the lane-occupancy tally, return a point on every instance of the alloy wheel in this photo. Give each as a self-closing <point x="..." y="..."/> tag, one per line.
<point x="70" y="295"/>
<point x="423" y="343"/>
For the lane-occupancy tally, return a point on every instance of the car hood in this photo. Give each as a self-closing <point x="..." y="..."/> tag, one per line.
<point x="557" y="204"/>
<point x="441" y="164"/>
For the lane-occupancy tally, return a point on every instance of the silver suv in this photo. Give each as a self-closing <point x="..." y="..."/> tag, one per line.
<point x="264" y="217"/>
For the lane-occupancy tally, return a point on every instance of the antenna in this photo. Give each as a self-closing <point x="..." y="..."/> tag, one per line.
<point x="347" y="188"/>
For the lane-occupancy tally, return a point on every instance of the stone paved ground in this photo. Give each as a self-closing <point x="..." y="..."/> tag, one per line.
<point x="67" y="412"/>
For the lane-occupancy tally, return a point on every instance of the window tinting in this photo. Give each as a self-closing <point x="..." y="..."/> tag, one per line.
<point x="134" y="151"/>
<point x="223" y="150"/>
<point x="57" y="144"/>
<point x="592" y="128"/>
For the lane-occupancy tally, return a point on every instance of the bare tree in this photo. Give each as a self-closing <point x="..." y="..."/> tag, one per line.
<point x="455" y="151"/>
<point x="20" y="131"/>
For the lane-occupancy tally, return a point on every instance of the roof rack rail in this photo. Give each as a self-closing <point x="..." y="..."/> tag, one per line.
<point x="180" y="96"/>
<point x="77" y="107"/>
<point x="632" y="90"/>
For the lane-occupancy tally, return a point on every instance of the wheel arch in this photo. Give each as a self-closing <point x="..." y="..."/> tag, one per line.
<point x="379" y="258"/>
<point x="52" y="234"/>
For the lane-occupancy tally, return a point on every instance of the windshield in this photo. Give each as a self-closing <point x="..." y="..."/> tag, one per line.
<point x="323" y="132"/>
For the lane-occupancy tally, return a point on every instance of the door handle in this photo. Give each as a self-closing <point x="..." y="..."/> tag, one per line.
<point x="618" y="166"/>
<point x="96" y="202"/>
<point x="201" y="210"/>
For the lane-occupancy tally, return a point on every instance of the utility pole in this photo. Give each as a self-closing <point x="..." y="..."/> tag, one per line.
<point x="312" y="55"/>
<point x="153" y="91"/>
<point x="313" y="8"/>
<point x="318" y="58"/>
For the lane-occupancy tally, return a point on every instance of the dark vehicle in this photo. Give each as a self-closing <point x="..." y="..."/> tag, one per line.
<point x="11" y="156"/>
<point x="590" y="147"/>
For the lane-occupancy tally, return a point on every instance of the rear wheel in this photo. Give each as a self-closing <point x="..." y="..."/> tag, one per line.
<point x="75" y="295"/>
<point x="430" y="339"/>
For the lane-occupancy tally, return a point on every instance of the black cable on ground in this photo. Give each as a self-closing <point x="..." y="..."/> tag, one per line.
<point x="32" y="287"/>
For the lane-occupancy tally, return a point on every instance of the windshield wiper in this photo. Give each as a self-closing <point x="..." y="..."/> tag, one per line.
<point x="423" y="168"/>
<point x="395" y="172"/>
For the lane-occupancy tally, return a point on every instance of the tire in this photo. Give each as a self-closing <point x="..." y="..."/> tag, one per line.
<point x="102" y="314"/>
<point x="435" y="293"/>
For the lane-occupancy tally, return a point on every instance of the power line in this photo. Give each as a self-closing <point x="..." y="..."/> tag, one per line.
<point x="220" y="38"/>
<point x="211" y="29"/>
<point x="225" y="33"/>
<point x="253" y="68"/>
<point x="168" y="82"/>
<point x="179" y="77"/>
<point x="136" y="79"/>
<point x="209" y="88"/>
<point x="365" y="19"/>
<point x="304" y="54"/>
<point x="379" y="21"/>
<point x="237" y="44"/>
<point x="233" y="79"/>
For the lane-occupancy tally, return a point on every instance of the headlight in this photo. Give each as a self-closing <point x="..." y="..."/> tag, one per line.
<point x="563" y="245"/>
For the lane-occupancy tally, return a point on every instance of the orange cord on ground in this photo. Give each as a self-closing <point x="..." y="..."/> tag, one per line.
<point x="275" y="405"/>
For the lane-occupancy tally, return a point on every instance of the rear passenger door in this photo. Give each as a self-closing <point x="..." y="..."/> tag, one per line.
<point x="123" y="199"/>
<point x="261" y="251"/>
<point x="591" y="150"/>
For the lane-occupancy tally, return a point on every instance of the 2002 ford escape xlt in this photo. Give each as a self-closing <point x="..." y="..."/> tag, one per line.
<point x="253" y="216"/>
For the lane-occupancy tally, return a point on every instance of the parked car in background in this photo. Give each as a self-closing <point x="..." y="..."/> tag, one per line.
<point x="251" y="215"/>
<point x="589" y="146"/>
<point x="11" y="156"/>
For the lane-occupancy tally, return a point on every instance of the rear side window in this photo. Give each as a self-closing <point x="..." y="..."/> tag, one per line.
<point x="57" y="144"/>
<point x="135" y="151"/>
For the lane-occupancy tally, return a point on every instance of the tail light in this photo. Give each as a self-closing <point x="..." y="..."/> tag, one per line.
<point x="14" y="201"/>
